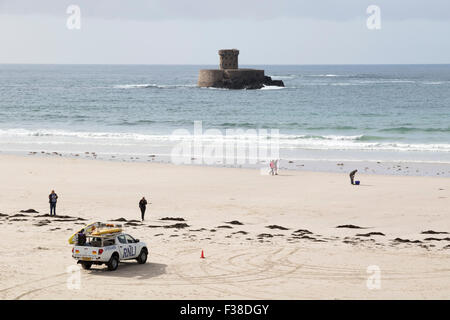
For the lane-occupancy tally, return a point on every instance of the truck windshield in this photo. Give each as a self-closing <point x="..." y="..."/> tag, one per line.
<point x="130" y="239"/>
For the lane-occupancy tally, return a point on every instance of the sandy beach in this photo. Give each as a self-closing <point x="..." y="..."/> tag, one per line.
<point x="299" y="235"/>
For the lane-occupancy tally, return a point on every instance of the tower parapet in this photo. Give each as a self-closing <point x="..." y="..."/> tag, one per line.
<point x="229" y="59"/>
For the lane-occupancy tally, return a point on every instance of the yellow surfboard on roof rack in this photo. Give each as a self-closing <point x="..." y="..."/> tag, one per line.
<point x="100" y="232"/>
<point x="96" y="229"/>
<point x="87" y="230"/>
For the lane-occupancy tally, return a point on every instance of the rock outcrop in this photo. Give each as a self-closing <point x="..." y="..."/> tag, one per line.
<point x="249" y="84"/>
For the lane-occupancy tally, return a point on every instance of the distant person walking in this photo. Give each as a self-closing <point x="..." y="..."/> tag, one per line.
<point x="352" y="176"/>
<point x="275" y="165"/>
<point x="272" y="167"/>
<point x="143" y="207"/>
<point x="52" y="199"/>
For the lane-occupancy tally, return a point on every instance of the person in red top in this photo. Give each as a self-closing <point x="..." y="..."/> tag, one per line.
<point x="272" y="167"/>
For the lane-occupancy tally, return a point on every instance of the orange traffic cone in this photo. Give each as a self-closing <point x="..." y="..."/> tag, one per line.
<point x="202" y="256"/>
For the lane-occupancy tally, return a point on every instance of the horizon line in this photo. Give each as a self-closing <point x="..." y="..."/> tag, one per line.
<point x="244" y="64"/>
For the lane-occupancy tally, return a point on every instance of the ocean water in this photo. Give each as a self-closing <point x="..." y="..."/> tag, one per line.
<point x="325" y="113"/>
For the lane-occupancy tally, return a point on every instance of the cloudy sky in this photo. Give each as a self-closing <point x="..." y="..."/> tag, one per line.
<point x="191" y="32"/>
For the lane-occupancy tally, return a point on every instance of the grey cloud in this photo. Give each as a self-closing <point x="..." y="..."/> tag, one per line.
<point x="233" y="9"/>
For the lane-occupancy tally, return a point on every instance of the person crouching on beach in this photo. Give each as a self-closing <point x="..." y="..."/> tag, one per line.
<point x="143" y="207"/>
<point x="52" y="199"/>
<point x="352" y="176"/>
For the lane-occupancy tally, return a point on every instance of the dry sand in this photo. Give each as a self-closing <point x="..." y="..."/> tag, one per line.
<point x="311" y="259"/>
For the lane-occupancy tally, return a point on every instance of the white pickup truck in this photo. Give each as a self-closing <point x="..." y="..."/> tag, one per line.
<point x="109" y="249"/>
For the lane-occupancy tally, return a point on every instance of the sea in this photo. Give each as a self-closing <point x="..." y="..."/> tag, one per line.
<point x="326" y="118"/>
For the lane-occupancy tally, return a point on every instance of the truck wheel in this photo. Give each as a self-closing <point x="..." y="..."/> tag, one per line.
<point x="113" y="263"/>
<point x="142" y="258"/>
<point x="86" y="265"/>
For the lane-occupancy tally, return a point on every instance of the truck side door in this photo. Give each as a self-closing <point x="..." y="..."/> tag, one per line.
<point x="130" y="250"/>
<point x="122" y="244"/>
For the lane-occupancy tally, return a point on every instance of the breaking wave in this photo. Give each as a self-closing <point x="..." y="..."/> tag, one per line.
<point x="154" y="86"/>
<point x="318" y="142"/>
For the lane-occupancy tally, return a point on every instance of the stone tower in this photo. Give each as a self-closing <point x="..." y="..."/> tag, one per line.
<point x="229" y="59"/>
<point x="229" y="75"/>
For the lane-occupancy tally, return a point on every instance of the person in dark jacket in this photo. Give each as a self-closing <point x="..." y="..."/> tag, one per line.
<point x="52" y="199"/>
<point x="143" y="207"/>
<point x="352" y="176"/>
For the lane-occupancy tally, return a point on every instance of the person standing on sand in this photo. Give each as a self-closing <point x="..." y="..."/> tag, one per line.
<point x="352" y="176"/>
<point x="143" y="207"/>
<point x="52" y="199"/>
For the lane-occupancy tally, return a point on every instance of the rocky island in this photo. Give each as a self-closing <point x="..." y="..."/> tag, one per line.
<point x="229" y="76"/>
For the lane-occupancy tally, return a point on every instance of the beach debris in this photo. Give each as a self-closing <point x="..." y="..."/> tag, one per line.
<point x="17" y="220"/>
<point x="350" y="226"/>
<point x="177" y="226"/>
<point x="235" y="222"/>
<point x="42" y="223"/>
<point x="225" y="227"/>
<point x="61" y="218"/>
<point x="433" y="232"/>
<point x="265" y="235"/>
<point x="172" y="219"/>
<point x="302" y="231"/>
<point x="29" y="211"/>
<point x="406" y="240"/>
<point x="202" y="255"/>
<point x="276" y="227"/>
<point x="3" y="215"/>
<point x="134" y="221"/>
<point x="437" y="239"/>
<point x="370" y="234"/>
<point x="19" y="215"/>
<point x="132" y="224"/>
<point x="151" y="226"/>
<point x="120" y="220"/>
<point x="159" y="234"/>
<point x="240" y="232"/>
<point x="198" y="230"/>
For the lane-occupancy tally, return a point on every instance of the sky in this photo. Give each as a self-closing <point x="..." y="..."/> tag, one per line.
<point x="191" y="32"/>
